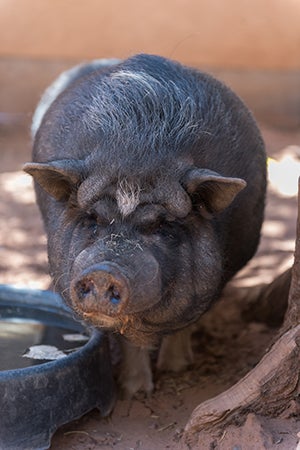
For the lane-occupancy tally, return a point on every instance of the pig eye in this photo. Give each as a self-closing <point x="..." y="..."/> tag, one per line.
<point x="153" y="227"/>
<point x="155" y="221"/>
<point x="92" y="219"/>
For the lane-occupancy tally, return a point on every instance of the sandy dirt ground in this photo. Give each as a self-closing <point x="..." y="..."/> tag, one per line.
<point x="225" y="346"/>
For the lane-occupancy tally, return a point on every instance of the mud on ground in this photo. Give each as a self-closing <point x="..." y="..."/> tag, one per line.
<point x="225" y="347"/>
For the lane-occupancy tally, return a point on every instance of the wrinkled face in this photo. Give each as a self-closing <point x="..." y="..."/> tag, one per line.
<point x="138" y="273"/>
<point x="126" y="268"/>
<point x="139" y="260"/>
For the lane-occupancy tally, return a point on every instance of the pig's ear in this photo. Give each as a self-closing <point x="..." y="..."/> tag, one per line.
<point x="211" y="191"/>
<point x="58" y="178"/>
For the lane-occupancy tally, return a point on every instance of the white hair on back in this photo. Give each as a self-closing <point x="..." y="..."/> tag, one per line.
<point x="128" y="103"/>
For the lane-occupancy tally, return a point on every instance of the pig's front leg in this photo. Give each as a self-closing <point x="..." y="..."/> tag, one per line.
<point x="176" y="351"/>
<point x="136" y="373"/>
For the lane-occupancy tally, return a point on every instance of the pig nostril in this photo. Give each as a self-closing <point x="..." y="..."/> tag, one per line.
<point x="115" y="296"/>
<point x="84" y="288"/>
<point x="102" y="289"/>
<point x="87" y="286"/>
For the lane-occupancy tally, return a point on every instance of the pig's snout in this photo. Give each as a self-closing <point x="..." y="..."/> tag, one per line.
<point x="102" y="288"/>
<point x="113" y="289"/>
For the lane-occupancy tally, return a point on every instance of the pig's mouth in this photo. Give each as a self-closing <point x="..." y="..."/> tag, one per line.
<point x="128" y="325"/>
<point x="101" y="321"/>
<point x="142" y="329"/>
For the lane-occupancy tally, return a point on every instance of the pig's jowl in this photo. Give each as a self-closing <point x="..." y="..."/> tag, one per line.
<point x="150" y="177"/>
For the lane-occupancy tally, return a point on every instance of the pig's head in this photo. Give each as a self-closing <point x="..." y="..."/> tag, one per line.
<point x="140" y="259"/>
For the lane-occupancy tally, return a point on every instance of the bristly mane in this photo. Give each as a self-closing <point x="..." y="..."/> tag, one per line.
<point x="146" y="105"/>
<point x="139" y="116"/>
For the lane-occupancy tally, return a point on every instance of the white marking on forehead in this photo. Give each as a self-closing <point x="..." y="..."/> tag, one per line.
<point x="128" y="197"/>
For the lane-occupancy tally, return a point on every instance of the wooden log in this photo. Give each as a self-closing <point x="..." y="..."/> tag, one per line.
<point x="266" y="389"/>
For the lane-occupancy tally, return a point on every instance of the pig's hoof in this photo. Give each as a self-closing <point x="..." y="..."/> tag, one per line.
<point x="136" y="372"/>
<point x="131" y="385"/>
<point x="175" y="364"/>
<point x="176" y="352"/>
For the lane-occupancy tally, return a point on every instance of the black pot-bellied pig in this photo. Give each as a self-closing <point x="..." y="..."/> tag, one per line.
<point x="151" y="178"/>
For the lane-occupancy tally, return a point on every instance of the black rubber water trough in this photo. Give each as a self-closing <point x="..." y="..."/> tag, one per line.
<point x="38" y="396"/>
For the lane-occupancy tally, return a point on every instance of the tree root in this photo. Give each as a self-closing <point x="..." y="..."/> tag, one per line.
<point x="266" y="389"/>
